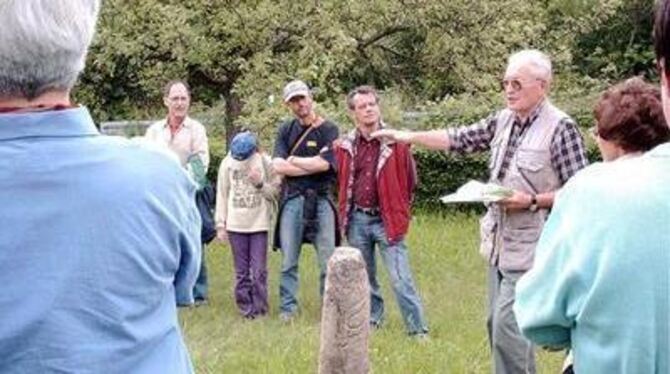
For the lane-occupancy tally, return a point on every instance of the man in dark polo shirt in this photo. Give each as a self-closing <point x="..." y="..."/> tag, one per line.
<point x="303" y="155"/>
<point x="376" y="181"/>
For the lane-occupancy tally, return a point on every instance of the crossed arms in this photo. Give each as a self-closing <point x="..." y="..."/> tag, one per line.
<point x="294" y="166"/>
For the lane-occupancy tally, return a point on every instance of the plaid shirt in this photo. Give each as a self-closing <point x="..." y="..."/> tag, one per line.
<point x="366" y="154"/>
<point x="568" y="154"/>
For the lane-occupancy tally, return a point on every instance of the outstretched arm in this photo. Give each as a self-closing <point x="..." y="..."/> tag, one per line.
<point x="434" y="139"/>
<point x="473" y="138"/>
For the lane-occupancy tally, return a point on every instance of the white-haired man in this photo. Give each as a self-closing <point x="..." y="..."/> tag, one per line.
<point x="535" y="148"/>
<point x="99" y="235"/>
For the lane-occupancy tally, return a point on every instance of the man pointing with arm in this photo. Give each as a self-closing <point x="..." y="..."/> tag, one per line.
<point x="535" y="148"/>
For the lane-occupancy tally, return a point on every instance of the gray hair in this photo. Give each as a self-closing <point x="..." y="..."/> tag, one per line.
<point x="168" y="86"/>
<point x="537" y="61"/>
<point x="361" y="90"/>
<point x="43" y="44"/>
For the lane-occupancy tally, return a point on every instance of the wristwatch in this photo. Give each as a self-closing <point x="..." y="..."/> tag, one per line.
<point x="533" y="203"/>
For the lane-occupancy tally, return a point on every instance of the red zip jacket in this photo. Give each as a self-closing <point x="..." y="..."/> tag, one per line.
<point x="396" y="179"/>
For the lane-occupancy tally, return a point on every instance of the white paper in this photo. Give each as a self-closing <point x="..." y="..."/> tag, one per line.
<point x="476" y="191"/>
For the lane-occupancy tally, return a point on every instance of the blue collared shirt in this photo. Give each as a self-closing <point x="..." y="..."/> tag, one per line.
<point x="99" y="240"/>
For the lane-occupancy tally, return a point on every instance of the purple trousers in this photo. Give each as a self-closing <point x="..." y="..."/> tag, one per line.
<point x="251" y="274"/>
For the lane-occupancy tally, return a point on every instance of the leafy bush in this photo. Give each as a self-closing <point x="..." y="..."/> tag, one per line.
<point x="441" y="173"/>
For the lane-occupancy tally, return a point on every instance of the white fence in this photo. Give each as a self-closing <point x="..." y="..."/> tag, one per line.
<point x="125" y="128"/>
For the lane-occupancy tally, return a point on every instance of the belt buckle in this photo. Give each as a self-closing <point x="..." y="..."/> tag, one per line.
<point x="368" y="211"/>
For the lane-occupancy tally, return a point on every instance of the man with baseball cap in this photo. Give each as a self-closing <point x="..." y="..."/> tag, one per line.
<point x="303" y="155"/>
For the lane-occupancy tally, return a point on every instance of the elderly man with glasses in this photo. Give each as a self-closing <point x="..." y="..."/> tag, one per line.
<point x="535" y="148"/>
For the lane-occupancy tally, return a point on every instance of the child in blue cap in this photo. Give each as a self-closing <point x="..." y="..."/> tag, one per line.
<point x="246" y="191"/>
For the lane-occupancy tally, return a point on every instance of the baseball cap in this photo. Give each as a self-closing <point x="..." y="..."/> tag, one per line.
<point x="243" y="145"/>
<point x="295" y="88"/>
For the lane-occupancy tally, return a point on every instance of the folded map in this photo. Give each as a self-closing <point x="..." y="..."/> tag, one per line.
<point x="476" y="191"/>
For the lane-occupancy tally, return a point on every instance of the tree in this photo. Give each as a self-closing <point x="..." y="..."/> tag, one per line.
<point x="238" y="54"/>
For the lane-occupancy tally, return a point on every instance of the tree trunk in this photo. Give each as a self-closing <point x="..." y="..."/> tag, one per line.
<point x="233" y="111"/>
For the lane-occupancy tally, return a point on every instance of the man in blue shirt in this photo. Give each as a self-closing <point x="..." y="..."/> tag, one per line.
<point x="99" y="238"/>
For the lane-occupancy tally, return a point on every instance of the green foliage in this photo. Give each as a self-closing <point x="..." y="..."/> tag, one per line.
<point x="440" y="174"/>
<point x="620" y="45"/>
<point x="237" y="55"/>
<point x="437" y="62"/>
<point x="217" y="151"/>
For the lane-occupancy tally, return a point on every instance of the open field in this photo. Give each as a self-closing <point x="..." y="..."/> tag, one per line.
<point x="451" y="279"/>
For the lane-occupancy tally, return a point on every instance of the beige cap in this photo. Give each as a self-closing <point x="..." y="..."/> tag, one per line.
<point x="295" y="88"/>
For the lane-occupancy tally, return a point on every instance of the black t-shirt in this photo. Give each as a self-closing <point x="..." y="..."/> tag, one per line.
<point x="318" y="142"/>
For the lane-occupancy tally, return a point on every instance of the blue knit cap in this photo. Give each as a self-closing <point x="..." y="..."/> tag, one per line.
<point x="243" y="146"/>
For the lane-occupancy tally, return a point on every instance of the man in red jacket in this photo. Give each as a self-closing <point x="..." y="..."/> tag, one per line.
<point x="376" y="180"/>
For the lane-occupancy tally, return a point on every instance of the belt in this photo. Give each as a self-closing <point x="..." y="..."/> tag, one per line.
<point x="368" y="211"/>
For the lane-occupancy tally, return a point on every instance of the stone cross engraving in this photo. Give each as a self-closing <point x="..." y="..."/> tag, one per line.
<point x="346" y="314"/>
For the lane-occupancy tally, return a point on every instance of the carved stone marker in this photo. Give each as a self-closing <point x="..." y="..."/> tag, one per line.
<point x="345" y="319"/>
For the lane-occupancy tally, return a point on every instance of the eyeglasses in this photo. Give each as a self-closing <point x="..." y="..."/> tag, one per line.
<point x="516" y="84"/>
<point x="178" y="99"/>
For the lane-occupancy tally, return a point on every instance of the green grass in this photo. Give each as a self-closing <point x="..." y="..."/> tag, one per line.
<point x="450" y="276"/>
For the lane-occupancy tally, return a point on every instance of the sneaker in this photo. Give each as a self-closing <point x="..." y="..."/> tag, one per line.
<point x="200" y="302"/>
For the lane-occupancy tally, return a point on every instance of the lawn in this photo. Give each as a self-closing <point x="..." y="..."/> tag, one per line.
<point x="450" y="276"/>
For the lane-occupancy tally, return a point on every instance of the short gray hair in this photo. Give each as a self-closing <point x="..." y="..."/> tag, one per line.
<point x="168" y="86"/>
<point x="361" y="90"/>
<point x="538" y="61"/>
<point x="43" y="44"/>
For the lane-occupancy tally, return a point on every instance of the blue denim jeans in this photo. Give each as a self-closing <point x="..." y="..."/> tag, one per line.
<point x="290" y="234"/>
<point x="366" y="231"/>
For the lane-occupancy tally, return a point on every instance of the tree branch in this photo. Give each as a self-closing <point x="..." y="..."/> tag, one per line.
<point x="393" y="52"/>
<point x="362" y="44"/>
